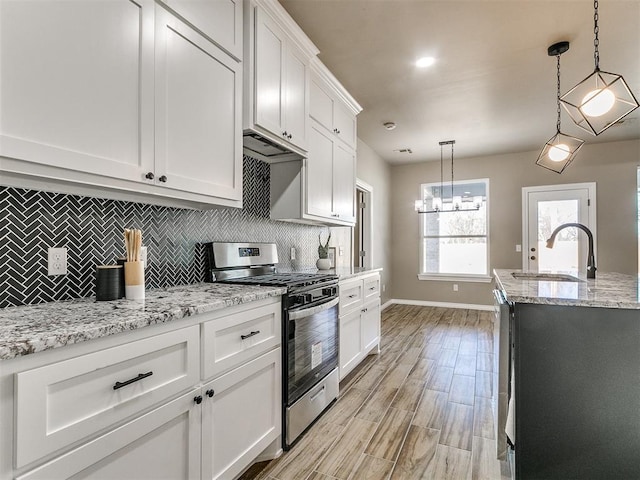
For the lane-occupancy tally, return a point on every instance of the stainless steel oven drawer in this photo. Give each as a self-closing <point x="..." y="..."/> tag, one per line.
<point x="310" y="405"/>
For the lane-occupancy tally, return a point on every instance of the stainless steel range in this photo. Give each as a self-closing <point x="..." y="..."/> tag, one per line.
<point x="310" y="327"/>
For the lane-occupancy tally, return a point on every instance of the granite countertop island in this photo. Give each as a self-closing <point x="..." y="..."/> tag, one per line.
<point x="34" y="328"/>
<point x="607" y="290"/>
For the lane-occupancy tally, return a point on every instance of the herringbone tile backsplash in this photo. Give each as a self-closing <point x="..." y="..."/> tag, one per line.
<point x="91" y="229"/>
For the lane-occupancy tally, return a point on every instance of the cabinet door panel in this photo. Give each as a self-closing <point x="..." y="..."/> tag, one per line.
<point x="345" y="123"/>
<point x="321" y="106"/>
<point x="198" y="88"/>
<point x="76" y="85"/>
<point x="162" y="444"/>
<point x="220" y="20"/>
<point x="344" y="183"/>
<point x="296" y="97"/>
<point x="350" y="342"/>
<point x="242" y="417"/>
<point x="269" y="69"/>
<point x="371" y="325"/>
<point x="319" y="173"/>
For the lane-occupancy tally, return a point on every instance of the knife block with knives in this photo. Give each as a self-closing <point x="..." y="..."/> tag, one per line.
<point x="133" y="267"/>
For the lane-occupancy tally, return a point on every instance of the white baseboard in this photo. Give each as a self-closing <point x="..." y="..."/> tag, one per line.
<point x="425" y="303"/>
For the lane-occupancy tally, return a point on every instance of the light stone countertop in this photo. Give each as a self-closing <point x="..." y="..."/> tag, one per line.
<point x="34" y="328"/>
<point x="607" y="290"/>
<point x="345" y="273"/>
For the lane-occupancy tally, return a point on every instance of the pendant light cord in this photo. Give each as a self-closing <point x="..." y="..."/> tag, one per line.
<point x="596" y="30"/>
<point x="558" y="94"/>
<point x="452" y="173"/>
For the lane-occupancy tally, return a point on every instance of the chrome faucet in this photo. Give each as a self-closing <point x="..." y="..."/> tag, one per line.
<point x="591" y="260"/>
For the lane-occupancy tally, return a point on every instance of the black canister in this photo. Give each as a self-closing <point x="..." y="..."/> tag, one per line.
<point x="108" y="282"/>
<point x="120" y="261"/>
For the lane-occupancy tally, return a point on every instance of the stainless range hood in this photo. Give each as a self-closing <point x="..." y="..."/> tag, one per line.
<point x="262" y="148"/>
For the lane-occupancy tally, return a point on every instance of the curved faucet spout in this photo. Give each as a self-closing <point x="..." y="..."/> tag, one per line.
<point x="591" y="260"/>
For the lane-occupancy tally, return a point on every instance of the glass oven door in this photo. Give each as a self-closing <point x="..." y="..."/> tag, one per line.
<point x="312" y="346"/>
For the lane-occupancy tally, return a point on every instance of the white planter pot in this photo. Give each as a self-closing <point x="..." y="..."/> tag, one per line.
<point x="323" y="264"/>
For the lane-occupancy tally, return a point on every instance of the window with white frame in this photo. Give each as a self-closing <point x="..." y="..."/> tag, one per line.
<point x="455" y="238"/>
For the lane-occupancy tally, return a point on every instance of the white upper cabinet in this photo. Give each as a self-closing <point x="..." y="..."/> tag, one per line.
<point x="219" y="20"/>
<point x="277" y="57"/>
<point x="332" y="106"/>
<point x="76" y="85"/>
<point x="321" y="188"/>
<point x="122" y="99"/>
<point x="198" y="89"/>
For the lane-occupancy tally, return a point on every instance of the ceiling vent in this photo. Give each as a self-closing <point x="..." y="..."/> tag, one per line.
<point x="403" y="150"/>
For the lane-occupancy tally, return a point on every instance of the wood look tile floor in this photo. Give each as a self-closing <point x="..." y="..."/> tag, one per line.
<point x="421" y="409"/>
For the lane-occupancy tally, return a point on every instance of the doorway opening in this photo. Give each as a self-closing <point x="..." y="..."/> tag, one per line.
<point x="546" y="207"/>
<point x="362" y="231"/>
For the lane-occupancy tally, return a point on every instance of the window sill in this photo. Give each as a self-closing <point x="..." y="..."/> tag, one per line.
<point x="456" y="278"/>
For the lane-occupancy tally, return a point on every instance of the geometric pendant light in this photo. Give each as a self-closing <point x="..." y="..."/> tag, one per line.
<point x="561" y="149"/>
<point x="601" y="99"/>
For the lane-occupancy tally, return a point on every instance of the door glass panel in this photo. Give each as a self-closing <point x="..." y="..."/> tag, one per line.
<point x="565" y="253"/>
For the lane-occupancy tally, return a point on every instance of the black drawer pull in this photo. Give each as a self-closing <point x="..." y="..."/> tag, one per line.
<point x="372" y="288"/>
<point x="210" y="393"/>
<point x="353" y="296"/>
<point x="132" y="380"/>
<point x="250" y="334"/>
<point x="198" y="399"/>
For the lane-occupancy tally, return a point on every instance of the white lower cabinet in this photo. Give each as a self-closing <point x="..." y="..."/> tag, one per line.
<point x="350" y="341"/>
<point x="241" y="416"/>
<point x="147" y="406"/>
<point x="162" y="444"/>
<point x="359" y="320"/>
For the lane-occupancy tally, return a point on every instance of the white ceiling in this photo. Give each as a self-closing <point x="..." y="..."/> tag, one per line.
<point x="493" y="86"/>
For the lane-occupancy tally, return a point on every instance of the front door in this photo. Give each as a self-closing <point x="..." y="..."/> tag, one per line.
<point x="544" y="209"/>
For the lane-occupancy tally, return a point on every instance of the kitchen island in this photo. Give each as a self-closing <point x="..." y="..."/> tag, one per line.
<point x="575" y="353"/>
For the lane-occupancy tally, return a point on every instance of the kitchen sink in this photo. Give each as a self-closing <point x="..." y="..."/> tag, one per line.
<point x="546" y="277"/>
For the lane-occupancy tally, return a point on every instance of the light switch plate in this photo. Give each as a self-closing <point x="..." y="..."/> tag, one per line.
<point x="293" y="253"/>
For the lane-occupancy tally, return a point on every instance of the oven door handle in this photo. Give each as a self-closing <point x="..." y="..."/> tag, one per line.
<point x="306" y="312"/>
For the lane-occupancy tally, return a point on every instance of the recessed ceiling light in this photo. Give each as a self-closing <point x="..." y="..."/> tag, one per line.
<point x="389" y="125"/>
<point x="425" y="62"/>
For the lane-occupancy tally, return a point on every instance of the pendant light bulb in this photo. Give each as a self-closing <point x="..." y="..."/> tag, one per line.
<point x="559" y="152"/>
<point x="598" y="102"/>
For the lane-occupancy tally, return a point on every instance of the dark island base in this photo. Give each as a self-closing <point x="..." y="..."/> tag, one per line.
<point x="577" y="389"/>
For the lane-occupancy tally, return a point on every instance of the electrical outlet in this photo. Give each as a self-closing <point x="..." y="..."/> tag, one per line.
<point x="340" y="251"/>
<point x="455" y="287"/>
<point x="293" y="253"/>
<point x="144" y="256"/>
<point x="518" y="248"/>
<point x="57" y="261"/>
<point x="384" y="287"/>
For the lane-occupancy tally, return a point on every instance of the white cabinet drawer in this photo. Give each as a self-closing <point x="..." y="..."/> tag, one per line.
<point x="146" y="447"/>
<point x="371" y="287"/>
<point x="232" y="340"/>
<point x="62" y="403"/>
<point x="350" y="296"/>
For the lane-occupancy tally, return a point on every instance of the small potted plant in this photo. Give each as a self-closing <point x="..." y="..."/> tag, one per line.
<point x="323" y="263"/>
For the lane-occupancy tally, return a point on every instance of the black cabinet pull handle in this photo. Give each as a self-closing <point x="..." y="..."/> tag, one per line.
<point x="372" y="288"/>
<point x="289" y="136"/>
<point x="210" y="393"/>
<point x="284" y="134"/>
<point x="132" y="380"/>
<point x="198" y="399"/>
<point x="352" y="296"/>
<point x="250" y="334"/>
<point x="149" y="175"/>
<point x="163" y="179"/>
